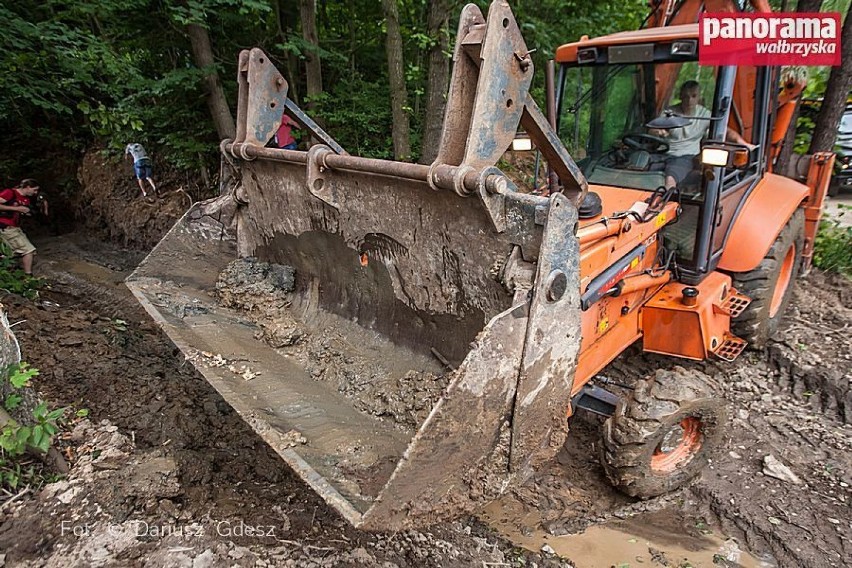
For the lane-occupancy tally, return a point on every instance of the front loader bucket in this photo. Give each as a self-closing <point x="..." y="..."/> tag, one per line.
<point x="411" y="282"/>
<point x="403" y="336"/>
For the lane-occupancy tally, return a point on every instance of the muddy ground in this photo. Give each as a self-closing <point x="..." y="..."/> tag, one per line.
<point x="165" y="473"/>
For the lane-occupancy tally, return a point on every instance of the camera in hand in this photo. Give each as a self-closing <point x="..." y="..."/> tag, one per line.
<point x="35" y="205"/>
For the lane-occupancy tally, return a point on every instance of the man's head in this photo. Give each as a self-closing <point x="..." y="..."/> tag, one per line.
<point x="690" y="92"/>
<point x="28" y="187"/>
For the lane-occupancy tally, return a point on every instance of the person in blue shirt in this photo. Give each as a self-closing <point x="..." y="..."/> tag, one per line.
<point x="142" y="167"/>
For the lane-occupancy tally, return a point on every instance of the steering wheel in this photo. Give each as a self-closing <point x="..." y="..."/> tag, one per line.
<point x="647" y="142"/>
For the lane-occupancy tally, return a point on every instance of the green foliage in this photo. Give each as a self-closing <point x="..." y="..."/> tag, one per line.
<point x="358" y="124"/>
<point x="833" y="246"/>
<point x="817" y="78"/>
<point x="113" y="72"/>
<point x="13" y="279"/>
<point x="20" y="375"/>
<point x="16" y="438"/>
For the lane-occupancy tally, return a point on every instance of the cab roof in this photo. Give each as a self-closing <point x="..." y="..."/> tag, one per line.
<point x="568" y="53"/>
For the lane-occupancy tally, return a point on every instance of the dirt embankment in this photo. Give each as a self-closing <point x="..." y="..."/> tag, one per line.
<point x="110" y="203"/>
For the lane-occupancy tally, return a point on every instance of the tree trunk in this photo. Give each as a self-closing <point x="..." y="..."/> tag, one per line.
<point x="834" y="100"/>
<point x="313" y="65"/>
<point x="399" y="95"/>
<point x="783" y="160"/>
<point x="439" y="79"/>
<point x="202" y="53"/>
<point x="290" y="62"/>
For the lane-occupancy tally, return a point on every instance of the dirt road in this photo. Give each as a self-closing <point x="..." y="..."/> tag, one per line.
<point x="167" y="474"/>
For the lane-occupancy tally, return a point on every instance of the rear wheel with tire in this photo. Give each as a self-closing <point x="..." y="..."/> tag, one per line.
<point x="661" y="436"/>
<point x="770" y="285"/>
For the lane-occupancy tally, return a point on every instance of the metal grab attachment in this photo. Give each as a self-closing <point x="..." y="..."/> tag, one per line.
<point x="262" y="102"/>
<point x="490" y="184"/>
<point x="480" y="122"/>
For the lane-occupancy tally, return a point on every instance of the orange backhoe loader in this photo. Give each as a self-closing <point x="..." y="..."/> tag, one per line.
<point x="412" y="340"/>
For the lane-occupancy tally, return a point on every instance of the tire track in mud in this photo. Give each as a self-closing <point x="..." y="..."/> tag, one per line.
<point x="811" y="355"/>
<point x="106" y="301"/>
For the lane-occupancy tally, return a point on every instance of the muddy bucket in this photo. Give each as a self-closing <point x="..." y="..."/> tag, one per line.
<point x="404" y="336"/>
<point x="407" y="358"/>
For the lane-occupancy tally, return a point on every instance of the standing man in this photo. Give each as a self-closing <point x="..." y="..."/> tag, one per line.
<point x="142" y="166"/>
<point x="15" y="202"/>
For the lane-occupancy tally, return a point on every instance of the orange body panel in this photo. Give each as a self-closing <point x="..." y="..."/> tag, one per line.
<point x="672" y="328"/>
<point x="819" y="176"/>
<point x="612" y="323"/>
<point x="764" y="214"/>
<point x="592" y="258"/>
<point x="568" y="53"/>
<point x="597" y="355"/>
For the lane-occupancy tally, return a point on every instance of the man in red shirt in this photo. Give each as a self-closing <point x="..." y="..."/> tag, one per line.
<point x="284" y="136"/>
<point x="15" y="202"/>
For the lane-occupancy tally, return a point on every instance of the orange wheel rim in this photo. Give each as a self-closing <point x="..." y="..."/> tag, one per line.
<point x="678" y="446"/>
<point x="783" y="283"/>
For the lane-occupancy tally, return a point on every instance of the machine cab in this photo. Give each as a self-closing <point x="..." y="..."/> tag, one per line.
<point x="635" y="109"/>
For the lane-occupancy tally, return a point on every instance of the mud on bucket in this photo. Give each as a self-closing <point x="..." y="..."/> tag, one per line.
<point x="375" y="343"/>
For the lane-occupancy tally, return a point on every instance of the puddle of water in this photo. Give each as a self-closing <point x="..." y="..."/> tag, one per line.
<point x="646" y="540"/>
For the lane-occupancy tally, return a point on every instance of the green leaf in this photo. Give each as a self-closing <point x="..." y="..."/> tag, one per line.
<point x="43" y="444"/>
<point x="22" y="436"/>
<point x="21" y="374"/>
<point x="13" y="401"/>
<point x="55" y="415"/>
<point x="37" y="436"/>
<point x="40" y="410"/>
<point x="82" y="413"/>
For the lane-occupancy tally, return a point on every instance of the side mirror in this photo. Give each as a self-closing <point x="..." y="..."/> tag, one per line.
<point x="668" y="121"/>
<point x="726" y="155"/>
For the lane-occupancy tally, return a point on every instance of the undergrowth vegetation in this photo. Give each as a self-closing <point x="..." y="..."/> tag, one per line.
<point x="22" y="444"/>
<point x="13" y="279"/>
<point x="833" y="246"/>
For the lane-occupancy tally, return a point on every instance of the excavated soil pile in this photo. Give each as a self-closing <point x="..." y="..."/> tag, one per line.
<point x="110" y="203"/>
<point x="263" y="291"/>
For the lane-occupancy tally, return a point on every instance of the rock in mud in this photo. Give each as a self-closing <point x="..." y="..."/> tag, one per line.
<point x="774" y="468"/>
<point x="248" y="283"/>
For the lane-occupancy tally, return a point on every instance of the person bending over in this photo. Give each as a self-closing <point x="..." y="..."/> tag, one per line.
<point x="15" y="202"/>
<point x="141" y="166"/>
